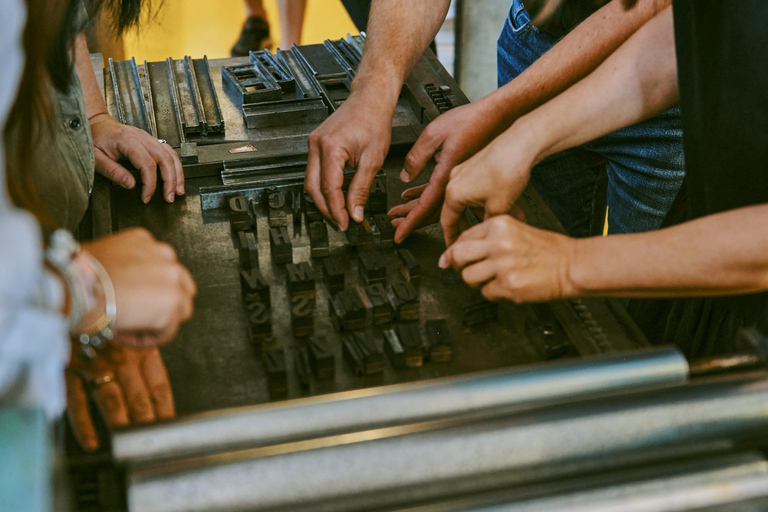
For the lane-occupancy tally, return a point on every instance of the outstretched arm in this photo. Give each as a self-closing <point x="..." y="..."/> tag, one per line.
<point x="358" y="134"/>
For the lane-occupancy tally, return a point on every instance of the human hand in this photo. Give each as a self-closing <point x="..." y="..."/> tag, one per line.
<point x="511" y="260"/>
<point x="113" y="140"/>
<point x="154" y="292"/>
<point x="358" y="135"/>
<point x="491" y="180"/>
<point x="128" y="385"/>
<point x="450" y="140"/>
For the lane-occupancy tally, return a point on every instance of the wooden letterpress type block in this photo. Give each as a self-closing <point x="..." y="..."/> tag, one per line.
<point x="311" y="213"/>
<point x="363" y="354"/>
<point x="405" y="300"/>
<point x="276" y="204"/>
<point x="318" y="240"/>
<point x="277" y="374"/>
<point x="479" y="312"/>
<point x="409" y="267"/>
<point x="334" y="276"/>
<point x="360" y="235"/>
<point x="372" y="267"/>
<point x="348" y="311"/>
<point x="302" y="366"/>
<point x="259" y="318"/>
<point x="386" y="231"/>
<point x="254" y="287"/>
<point x="280" y="245"/>
<point x="296" y="211"/>
<point x="248" y="250"/>
<point x="377" y="200"/>
<point x="438" y="346"/>
<point x="301" y="278"/>
<point x="321" y="357"/>
<point x="394" y="348"/>
<point x="239" y="216"/>
<point x="302" y="314"/>
<point x="381" y="307"/>
<point x="410" y="338"/>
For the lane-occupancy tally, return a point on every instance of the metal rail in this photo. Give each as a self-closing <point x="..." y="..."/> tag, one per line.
<point x="370" y="470"/>
<point x="518" y="389"/>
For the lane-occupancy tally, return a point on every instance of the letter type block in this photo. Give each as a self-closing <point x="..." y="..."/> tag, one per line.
<point x="377" y="199"/>
<point x="360" y="235"/>
<point x="259" y="321"/>
<point x="334" y="276"/>
<point x="301" y="365"/>
<point x="405" y="300"/>
<point x="296" y="211"/>
<point x="321" y="358"/>
<point x="437" y="346"/>
<point x="248" y="250"/>
<point x="301" y="278"/>
<point x="318" y="240"/>
<point x="311" y="213"/>
<point x="277" y="374"/>
<point x="276" y="204"/>
<point x="372" y="267"/>
<point x="254" y="287"/>
<point x="394" y="349"/>
<point x="239" y="216"/>
<point x="364" y="353"/>
<point x="409" y="267"/>
<point x="479" y="312"/>
<point x="302" y="314"/>
<point x="386" y="231"/>
<point x="348" y="311"/>
<point x="410" y="339"/>
<point x="280" y="245"/>
<point x="381" y="308"/>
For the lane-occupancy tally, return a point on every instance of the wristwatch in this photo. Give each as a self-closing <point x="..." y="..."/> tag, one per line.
<point x="92" y="298"/>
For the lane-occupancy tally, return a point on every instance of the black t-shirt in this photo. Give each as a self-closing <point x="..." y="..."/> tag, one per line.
<point x="722" y="58"/>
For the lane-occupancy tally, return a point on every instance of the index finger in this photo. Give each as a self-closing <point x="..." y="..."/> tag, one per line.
<point x="331" y="180"/>
<point x="168" y="169"/>
<point x="132" y="148"/>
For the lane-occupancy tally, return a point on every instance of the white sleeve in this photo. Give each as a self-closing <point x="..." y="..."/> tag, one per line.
<point x="34" y="345"/>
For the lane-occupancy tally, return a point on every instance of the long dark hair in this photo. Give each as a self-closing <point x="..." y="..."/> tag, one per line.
<point x="48" y="43"/>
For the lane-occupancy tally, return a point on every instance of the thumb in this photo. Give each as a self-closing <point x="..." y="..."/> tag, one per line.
<point x="421" y="153"/>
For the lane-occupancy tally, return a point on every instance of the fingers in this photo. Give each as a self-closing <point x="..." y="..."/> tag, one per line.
<point x="425" y="212"/>
<point x="401" y="210"/>
<point x="360" y="187"/>
<point x="138" y="401"/>
<point x="132" y="148"/>
<point x="79" y="414"/>
<point x="450" y="216"/>
<point x="312" y="179"/>
<point x="421" y="153"/>
<point x="331" y="181"/>
<point x="168" y="170"/>
<point x="462" y="253"/>
<point x="109" y="399"/>
<point x="113" y="170"/>
<point x="413" y="192"/>
<point x="180" y="180"/>
<point x="156" y="377"/>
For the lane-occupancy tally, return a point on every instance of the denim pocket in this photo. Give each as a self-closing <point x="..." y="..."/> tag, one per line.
<point x="519" y="19"/>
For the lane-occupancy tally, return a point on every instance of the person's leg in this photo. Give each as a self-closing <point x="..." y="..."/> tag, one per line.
<point x="255" y="33"/>
<point x="291" y="21"/>
<point x="644" y="163"/>
<point x="567" y="180"/>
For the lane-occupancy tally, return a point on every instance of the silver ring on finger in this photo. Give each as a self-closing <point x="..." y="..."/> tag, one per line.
<point x="162" y="141"/>
<point x="100" y="381"/>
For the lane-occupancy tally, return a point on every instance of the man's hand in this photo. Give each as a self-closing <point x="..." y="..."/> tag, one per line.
<point x="113" y="140"/>
<point x="511" y="260"/>
<point x="356" y="135"/>
<point x="450" y="140"/>
<point x="128" y="385"/>
<point x="154" y="292"/>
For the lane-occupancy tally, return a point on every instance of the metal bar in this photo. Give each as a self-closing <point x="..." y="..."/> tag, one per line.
<point x="518" y="388"/>
<point x="680" y="486"/>
<point x="151" y="101"/>
<point x="116" y="92"/>
<point x="194" y="92"/>
<point x="214" y="119"/>
<point x="164" y="96"/>
<point x="554" y="442"/>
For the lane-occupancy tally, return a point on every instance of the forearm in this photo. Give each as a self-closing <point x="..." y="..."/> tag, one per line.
<point x="638" y="81"/>
<point x="398" y="33"/>
<point x="94" y="101"/>
<point x="720" y="254"/>
<point x="570" y="60"/>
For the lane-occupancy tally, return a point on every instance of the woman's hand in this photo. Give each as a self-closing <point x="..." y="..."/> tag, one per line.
<point x="511" y="260"/>
<point x="128" y="385"/>
<point x="154" y="292"/>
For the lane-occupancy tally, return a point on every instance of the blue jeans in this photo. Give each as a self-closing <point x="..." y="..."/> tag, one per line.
<point x="643" y="162"/>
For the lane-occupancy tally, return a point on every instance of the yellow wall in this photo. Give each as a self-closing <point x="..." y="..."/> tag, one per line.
<point x="210" y="27"/>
